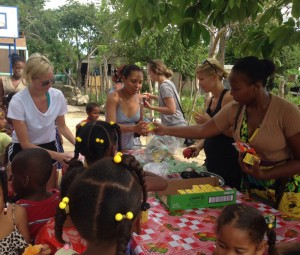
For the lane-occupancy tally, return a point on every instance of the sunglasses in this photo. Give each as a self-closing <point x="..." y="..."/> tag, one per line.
<point x="210" y="64"/>
<point x="46" y="83"/>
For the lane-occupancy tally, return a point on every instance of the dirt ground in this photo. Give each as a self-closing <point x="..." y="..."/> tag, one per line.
<point x="77" y="113"/>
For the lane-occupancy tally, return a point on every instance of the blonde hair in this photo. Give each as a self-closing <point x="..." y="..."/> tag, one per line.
<point x="36" y="66"/>
<point x="158" y="67"/>
<point x="212" y="66"/>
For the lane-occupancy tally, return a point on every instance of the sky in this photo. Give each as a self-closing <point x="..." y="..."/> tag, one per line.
<point x="52" y="4"/>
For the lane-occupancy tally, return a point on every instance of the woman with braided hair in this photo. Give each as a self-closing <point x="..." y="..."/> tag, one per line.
<point x="105" y="203"/>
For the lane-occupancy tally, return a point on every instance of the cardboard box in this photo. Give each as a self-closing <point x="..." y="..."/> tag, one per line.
<point x="174" y="201"/>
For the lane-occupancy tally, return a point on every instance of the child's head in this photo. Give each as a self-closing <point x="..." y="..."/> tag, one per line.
<point x="106" y="200"/>
<point x="31" y="169"/>
<point x="98" y="139"/>
<point x="17" y="65"/>
<point x="241" y="230"/>
<point x="3" y="120"/>
<point x="93" y="111"/>
<point x="65" y="185"/>
<point x="3" y="190"/>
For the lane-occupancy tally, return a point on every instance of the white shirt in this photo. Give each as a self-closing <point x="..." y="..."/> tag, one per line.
<point x="40" y="126"/>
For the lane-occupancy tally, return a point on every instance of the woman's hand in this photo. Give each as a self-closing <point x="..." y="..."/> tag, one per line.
<point x="148" y="105"/>
<point x="253" y="170"/>
<point x="149" y="96"/>
<point x="62" y="157"/>
<point x="196" y="150"/>
<point x="141" y="128"/>
<point x="160" y="129"/>
<point x="201" y="118"/>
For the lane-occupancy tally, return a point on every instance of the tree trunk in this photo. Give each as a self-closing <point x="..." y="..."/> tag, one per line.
<point x="149" y="82"/>
<point x="221" y="51"/>
<point x="105" y="70"/>
<point x="73" y="82"/>
<point x="281" y="88"/>
<point x="179" y="84"/>
<point x="194" y="104"/>
<point x="79" y="79"/>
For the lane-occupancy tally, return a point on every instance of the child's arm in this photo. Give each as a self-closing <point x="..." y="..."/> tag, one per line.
<point x="155" y="182"/>
<point x="21" y="221"/>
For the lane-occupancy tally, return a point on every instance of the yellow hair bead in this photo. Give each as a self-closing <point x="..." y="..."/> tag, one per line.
<point x="65" y="200"/>
<point x="118" y="217"/>
<point x="64" y="204"/>
<point x="82" y="123"/>
<point x="99" y="140"/>
<point x="117" y="159"/>
<point x="270" y="225"/>
<point x="78" y="139"/>
<point x="119" y="153"/>
<point x="129" y="215"/>
<point x="112" y="123"/>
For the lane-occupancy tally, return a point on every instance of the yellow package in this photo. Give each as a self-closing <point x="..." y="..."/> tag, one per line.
<point x="196" y="188"/>
<point x="181" y="191"/>
<point x="219" y="189"/>
<point x="250" y="159"/>
<point x="188" y="191"/>
<point x="144" y="216"/>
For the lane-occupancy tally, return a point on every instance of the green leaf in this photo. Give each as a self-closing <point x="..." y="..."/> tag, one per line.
<point x="296" y="9"/>
<point x="137" y="27"/>
<point x="266" y="16"/>
<point x="231" y="3"/>
<point x="205" y="34"/>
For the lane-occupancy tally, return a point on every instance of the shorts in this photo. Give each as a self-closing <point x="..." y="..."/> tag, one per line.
<point x="16" y="147"/>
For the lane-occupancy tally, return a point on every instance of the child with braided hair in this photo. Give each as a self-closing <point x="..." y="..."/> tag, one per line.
<point x="108" y="210"/>
<point x="98" y="139"/>
<point x="241" y="230"/>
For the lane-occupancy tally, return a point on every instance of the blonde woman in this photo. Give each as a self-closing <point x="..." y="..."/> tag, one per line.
<point x="168" y="98"/>
<point x="35" y="110"/>
<point x="221" y="156"/>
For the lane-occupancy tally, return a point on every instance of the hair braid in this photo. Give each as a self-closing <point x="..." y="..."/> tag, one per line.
<point x="271" y="234"/>
<point x="118" y="136"/>
<point x="124" y="240"/>
<point x="132" y="164"/>
<point x="3" y="183"/>
<point x="60" y="218"/>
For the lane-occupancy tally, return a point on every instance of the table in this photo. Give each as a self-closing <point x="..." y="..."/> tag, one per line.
<point x="191" y="232"/>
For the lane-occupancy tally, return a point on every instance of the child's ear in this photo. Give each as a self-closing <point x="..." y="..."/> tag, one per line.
<point x="260" y="250"/>
<point x="26" y="180"/>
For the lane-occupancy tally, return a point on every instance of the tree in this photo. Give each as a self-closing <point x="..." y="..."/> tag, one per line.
<point x="195" y="18"/>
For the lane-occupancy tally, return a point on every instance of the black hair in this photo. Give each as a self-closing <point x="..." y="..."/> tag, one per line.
<point x="94" y="139"/>
<point x="4" y="187"/>
<point x="249" y="219"/>
<point x="104" y="190"/>
<point x="35" y="162"/>
<point x="16" y="58"/>
<point x="75" y="169"/>
<point x="7" y="98"/>
<point x="256" y="69"/>
<point x="90" y="107"/>
<point x="130" y="68"/>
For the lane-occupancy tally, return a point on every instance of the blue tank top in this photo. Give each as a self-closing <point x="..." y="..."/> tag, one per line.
<point x="127" y="138"/>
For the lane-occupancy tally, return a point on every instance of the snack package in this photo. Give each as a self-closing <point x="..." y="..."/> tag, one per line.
<point x="248" y="152"/>
<point x="32" y="249"/>
<point x="151" y="127"/>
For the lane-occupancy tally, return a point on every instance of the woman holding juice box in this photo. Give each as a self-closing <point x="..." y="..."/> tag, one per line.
<point x="267" y="123"/>
<point x="125" y="106"/>
<point x="221" y="156"/>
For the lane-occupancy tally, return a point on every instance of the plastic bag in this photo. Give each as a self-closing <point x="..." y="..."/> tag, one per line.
<point x="161" y="148"/>
<point x="160" y="169"/>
